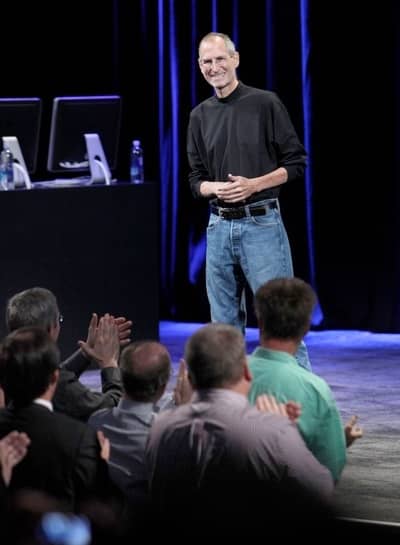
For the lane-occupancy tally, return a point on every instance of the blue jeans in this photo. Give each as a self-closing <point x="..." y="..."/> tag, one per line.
<point x="253" y="249"/>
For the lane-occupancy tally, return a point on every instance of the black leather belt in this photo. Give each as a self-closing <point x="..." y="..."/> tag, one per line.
<point x="242" y="211"/>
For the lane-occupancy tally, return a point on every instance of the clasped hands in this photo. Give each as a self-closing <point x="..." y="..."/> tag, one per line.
<point x="237" y="188"/>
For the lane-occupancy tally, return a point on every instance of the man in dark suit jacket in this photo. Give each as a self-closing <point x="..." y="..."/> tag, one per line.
<point x="38" y="307"/>
<point x="63" y="459"/>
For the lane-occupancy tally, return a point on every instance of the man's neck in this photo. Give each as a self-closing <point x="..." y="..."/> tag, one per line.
<point x="223" y="92"/>
<point x="283" y="345"/>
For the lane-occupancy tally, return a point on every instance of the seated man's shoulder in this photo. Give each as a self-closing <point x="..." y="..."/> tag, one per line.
<point x="98" y="417"/>
<point x="59" y="427"/>
<point x="163" y="420"/>
<point x="62" y="419"/>
<point x="318" y="383"/>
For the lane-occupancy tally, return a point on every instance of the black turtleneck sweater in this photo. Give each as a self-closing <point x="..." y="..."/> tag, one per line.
<point x="248" y="133"/>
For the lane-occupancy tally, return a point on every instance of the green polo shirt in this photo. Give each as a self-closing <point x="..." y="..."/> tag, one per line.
<point x="278" y="373"/>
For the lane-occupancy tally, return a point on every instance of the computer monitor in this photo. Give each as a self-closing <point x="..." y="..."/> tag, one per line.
<point x="19" y="131"/>
<point x="84" y="136"/>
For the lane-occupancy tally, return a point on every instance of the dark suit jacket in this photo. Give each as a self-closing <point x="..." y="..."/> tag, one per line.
<point x="75" y="399"/>
<point x="63" y="458"/>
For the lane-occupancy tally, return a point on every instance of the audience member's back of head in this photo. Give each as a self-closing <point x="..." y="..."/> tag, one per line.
<point x="28" y="359"/>
<point x="145" y="369"/>
<point x="283" y="307"/>
<point x="35" y="307"/>
<point x="214" y="355"/>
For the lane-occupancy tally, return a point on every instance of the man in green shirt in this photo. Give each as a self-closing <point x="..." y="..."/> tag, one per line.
<point x="284" y="307"/>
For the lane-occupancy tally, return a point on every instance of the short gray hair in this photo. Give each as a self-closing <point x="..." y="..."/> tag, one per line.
<point x="230" y="46"/>
<point x="215" y="356"/>
<point x="35" y="307"/>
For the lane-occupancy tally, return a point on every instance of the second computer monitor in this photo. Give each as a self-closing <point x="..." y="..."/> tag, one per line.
<point x="73" y="117"/>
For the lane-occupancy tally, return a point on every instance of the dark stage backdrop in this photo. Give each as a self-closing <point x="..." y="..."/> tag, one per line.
<point x="334" y="64"/>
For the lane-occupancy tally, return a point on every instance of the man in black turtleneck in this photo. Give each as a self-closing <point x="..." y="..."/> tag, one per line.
<point x="242" y="147"/>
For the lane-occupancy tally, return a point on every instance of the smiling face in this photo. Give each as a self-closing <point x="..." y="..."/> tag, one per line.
<point x="218" y="65"/>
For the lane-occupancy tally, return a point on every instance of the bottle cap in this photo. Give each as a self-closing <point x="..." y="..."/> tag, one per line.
<point x="136" y="143"/>
<point x="6" y="155"/>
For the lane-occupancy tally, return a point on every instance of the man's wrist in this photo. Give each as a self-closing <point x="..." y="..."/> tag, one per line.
<point x="106" y="364"/>
<point x="85" y="355"/>
<point x="204" y="188"/>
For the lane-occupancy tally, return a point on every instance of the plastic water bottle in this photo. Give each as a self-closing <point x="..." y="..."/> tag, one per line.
<point x="6" y="170"/>
<point x="136" y="171"/>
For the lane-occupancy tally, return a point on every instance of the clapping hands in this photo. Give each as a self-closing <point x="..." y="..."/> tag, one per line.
<point x="268" y="404"/>
<point x="105" y="337"/>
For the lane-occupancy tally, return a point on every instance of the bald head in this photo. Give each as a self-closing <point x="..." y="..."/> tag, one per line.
<point x="145" y="368"/>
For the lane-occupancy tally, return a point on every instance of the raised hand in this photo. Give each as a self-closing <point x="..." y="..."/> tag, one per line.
<point x="124" y="330"/>
<point x="183" y="390"/>
<point x="105" y="350"/>
<point x="268" y="404"/>
<point x="352" y="431"/>
<point x="104" y="445"/>
<point x="13" y="448"/>
<point x="89" y="347"/>
<point x="92" y="330"/>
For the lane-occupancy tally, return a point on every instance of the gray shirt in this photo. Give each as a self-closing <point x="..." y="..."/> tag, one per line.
<point x="220" y="444"/>
<point x="127" y="427"/>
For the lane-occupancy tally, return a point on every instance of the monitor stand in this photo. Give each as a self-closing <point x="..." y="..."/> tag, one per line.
<point x="21" y="176"/>
<point x="98" y="164"/>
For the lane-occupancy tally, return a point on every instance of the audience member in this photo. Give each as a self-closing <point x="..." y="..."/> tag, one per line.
<point x="63" y="458"/>
<point x="220" y="464"/>
<point x="284" y="308"/>
<point x="145" y="368"/>
<point x="38" y="307"/>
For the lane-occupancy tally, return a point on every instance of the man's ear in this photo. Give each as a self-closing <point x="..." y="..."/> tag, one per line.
<point x="54" y="376"/>
<point x="54" y="331"/>
<point x="246" y="372"/>
<point x="237" y="59"/>
<point x="192" y="382"/>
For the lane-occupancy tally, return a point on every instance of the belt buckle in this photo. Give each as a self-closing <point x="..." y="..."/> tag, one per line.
<point x="224" y="213"/>
<point x="238" y="214"/>
<point x="230" y="213"/>
<point x="234" y="213"/>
